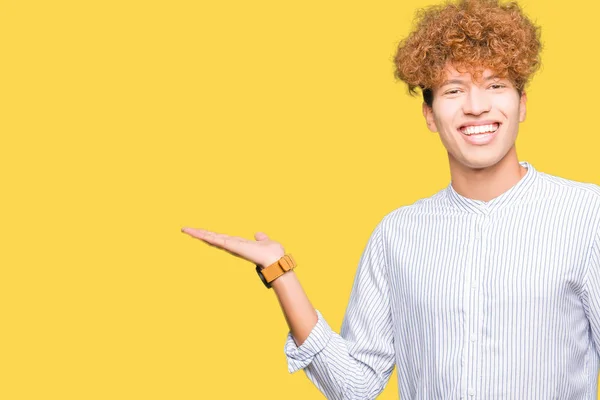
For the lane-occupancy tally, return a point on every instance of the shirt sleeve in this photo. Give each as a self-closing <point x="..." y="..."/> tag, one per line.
<point x="592" y="298"/>
<point x="357" y="363"/>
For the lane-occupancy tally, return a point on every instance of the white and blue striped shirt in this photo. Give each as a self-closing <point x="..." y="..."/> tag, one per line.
<point x="472" y="299"/>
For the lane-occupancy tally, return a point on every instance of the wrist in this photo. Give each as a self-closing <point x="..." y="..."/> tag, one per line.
<point x="284" y="280"/>
<point x="271" y="259"/>
<point x="275" y="270"/>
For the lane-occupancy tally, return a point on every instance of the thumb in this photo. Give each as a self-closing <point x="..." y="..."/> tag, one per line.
<point x="260" y="236"/>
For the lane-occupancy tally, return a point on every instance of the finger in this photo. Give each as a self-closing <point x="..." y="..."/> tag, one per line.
<point x="261" y="236"/>
<point x="233" y="244"/>
<point x="225" y="250"/>
<point x="195" y="232"/>
<point x="202" y="234"/>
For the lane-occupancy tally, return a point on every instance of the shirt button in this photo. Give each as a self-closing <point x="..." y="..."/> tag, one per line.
<point x="473" y="337"/>
<point x="471" y="392"/>
<point x="474" y="284"/>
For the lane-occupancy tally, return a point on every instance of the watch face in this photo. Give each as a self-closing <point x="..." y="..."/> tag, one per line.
<point x="262" y="277"/>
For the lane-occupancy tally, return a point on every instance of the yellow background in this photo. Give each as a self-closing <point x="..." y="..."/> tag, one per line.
<point x="122" y="121"/>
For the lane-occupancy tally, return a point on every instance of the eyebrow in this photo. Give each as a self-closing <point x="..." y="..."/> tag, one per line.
<point x="462" y="81"/>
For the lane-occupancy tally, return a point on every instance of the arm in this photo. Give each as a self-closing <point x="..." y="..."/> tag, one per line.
<point x="299" y="313"/>
<point x="357" y="363"/>
<point x="354" y="365"/>
<point x="592" y="291"/>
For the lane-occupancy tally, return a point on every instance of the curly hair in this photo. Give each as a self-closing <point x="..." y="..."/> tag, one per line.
<point x="472" y="35"/>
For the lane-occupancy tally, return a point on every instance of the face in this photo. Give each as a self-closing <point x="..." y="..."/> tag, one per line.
<point x="477" y="121"/>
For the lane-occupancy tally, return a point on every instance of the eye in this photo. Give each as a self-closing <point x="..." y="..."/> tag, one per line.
<point x="497" y="86"/>
<point x="452" y="91"/>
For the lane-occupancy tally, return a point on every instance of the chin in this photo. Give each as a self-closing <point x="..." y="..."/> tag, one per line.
<point x="485" y="157"/>
<point x="481" y="162"/>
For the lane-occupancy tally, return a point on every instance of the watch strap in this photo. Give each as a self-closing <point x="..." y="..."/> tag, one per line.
<point x="270" y="273"/>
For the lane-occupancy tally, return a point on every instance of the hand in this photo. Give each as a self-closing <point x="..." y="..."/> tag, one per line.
<point x="263" y="251"/>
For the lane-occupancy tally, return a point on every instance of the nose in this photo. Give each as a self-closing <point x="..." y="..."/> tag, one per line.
<point x="476" y="102"/>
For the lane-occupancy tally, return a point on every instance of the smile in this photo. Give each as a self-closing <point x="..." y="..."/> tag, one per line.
<point x="479" y="129"/>
<point x="480" y="135"/>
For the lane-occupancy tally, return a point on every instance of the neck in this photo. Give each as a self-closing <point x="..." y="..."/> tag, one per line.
<point x="488" y="183"/>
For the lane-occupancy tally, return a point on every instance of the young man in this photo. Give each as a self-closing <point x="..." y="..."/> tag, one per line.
<point x="491" y="287"/>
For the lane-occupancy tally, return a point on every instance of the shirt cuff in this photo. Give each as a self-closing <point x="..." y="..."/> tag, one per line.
<point x="300" y="357"/>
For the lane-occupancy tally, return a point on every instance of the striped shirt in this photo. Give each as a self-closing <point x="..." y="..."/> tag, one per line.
<point x="472" y="299"/>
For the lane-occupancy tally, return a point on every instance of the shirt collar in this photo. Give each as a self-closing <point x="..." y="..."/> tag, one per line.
<point x="511" y="196"/>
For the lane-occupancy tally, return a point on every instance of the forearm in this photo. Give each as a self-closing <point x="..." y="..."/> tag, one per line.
<point x="353" y="365"/>
<point x="299" y="313"/>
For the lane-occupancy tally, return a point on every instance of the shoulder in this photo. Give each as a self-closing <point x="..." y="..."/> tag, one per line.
<point x="421" y="208"/>
<point x="570" y="185"/>
<point x="568" y="189"/>
<point x="575" y="198"/>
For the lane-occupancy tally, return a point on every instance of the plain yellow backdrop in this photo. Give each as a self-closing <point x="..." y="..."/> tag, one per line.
<point x="122" y="121"/>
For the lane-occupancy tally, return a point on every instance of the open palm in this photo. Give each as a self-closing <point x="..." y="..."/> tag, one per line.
<point x="262" y="251"/>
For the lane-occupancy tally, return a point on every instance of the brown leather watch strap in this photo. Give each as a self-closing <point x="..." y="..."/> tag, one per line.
<point x="278" y="268"/>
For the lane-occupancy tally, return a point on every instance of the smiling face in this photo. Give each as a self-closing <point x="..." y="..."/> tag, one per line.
<point x="477" y="121"/>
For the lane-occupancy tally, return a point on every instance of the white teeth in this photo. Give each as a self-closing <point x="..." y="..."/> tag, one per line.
<point x="477" y="129"/>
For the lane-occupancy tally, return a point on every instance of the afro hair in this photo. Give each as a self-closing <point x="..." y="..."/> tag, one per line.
<point x="472" y="35"/>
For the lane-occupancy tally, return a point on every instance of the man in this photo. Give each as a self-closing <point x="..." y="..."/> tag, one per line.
<point x="491" y="287"/>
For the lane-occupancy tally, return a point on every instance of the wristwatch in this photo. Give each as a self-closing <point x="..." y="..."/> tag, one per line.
<point x="275" y="270"/>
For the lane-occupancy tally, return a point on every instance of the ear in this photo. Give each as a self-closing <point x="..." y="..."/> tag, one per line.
<point x="428" y="114"/>
<point x="523" y="107"/>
